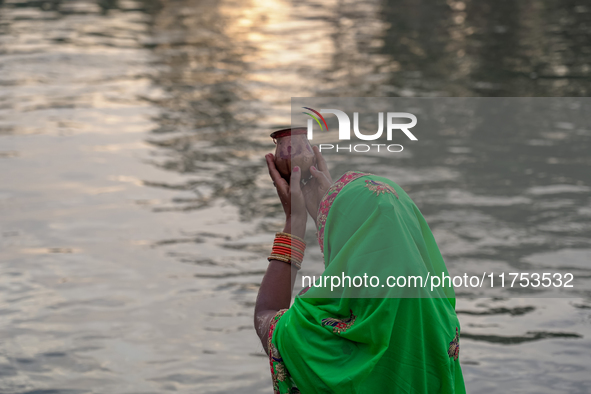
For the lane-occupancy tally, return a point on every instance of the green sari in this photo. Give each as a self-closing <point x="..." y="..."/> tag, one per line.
<point x="370" y="339"/>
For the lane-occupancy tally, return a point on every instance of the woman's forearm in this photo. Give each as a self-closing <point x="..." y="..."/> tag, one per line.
<point x="277" y="285"/>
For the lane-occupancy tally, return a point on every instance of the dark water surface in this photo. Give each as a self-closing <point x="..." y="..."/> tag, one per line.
<point x="136" y="211"/>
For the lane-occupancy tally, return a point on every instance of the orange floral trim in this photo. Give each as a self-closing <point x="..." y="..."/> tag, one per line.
<point x="329" y="198"/>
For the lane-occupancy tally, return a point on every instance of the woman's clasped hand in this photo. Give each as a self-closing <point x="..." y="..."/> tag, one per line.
<point x="297" y="198"/>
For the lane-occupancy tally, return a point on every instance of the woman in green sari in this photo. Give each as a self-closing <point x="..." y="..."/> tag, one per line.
<point x="387" y="338"/>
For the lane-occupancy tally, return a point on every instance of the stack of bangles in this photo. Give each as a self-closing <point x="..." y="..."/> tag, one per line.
<point x="289" y="249"/>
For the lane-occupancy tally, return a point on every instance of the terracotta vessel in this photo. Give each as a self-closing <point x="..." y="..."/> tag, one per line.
<point x="293" y="149"/>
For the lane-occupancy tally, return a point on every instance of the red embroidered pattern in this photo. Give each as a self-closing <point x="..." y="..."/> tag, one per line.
<point x="339" y="326"/>
<point x="378" y="187"/>
<point x="304" y="291"/>
<point x="454" y="346"/>
<point x="329" y="198"/>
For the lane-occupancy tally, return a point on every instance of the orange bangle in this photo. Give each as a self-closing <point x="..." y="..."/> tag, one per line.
<point x="289" y="249"/>
<point x="288" y="253"/>
<point x="289" y="241"/>
<point x="293" y="239"/>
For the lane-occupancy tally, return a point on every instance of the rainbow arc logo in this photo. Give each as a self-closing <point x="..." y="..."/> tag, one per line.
<point x="316" y="118"/>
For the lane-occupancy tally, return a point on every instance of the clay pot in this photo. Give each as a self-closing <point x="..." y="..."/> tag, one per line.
<point x="293" y="149"/>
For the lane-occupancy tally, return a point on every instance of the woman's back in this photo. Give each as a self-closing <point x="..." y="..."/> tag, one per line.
<point x="372" y="322"/>
<point x="371" y="338"/>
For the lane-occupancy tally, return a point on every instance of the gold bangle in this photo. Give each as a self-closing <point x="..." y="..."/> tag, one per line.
<point x="297" y="264"/>
<point x="285" y="259"/>
<point x="291" y="236"/>
<point x="279" y="257"/>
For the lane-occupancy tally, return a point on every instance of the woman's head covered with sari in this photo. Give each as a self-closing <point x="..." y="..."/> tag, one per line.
<point x="370" y="338"/>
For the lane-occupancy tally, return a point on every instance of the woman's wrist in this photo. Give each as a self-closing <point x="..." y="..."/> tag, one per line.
<point x="296" y="225"/>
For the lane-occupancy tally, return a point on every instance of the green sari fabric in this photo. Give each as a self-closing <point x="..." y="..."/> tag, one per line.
<point x="370" y="339"/>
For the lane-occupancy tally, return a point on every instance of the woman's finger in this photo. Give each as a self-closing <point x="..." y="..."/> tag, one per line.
<point x="320" y="176"/>
<point x="320" y="160"/>
<point x="309" y="187"/>
<point x="296" y="175"/>
<point x="298" y="202"/>
<point x="271" y="165"/>
<point x="316" y="174"/>
<point x="280" y="183"/>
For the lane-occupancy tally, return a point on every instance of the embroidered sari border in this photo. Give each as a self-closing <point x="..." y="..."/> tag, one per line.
<point x="328" y="199"/>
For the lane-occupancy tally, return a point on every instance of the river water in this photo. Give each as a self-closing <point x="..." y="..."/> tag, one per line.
<point x="137" y="212"/>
